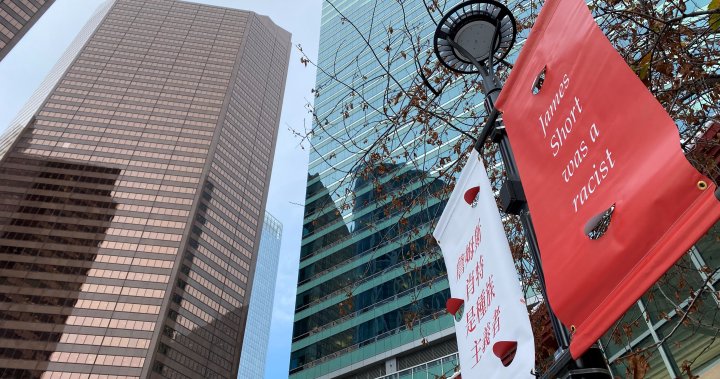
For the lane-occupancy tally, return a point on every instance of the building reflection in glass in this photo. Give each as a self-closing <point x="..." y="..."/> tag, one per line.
<point x="383" y="264"/>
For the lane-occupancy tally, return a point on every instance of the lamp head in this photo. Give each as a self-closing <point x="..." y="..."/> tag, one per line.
<point x="481" y="27"/>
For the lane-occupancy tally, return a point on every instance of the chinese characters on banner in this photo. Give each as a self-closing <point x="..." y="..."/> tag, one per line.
<point x="590" y="141"/>
<point x="481" y="272"/>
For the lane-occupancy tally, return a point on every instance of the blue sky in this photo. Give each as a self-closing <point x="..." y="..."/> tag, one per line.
<point x="27" y="64"/>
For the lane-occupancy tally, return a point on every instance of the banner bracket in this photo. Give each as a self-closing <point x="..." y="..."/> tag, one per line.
<point x="587" y="367"/>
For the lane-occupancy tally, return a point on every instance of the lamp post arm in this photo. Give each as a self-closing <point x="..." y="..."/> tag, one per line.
<point x="491" y="88"/>
<point x="486" y="130"/>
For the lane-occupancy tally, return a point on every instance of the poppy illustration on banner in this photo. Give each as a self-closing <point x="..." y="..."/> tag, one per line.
<point x="492" y="325"/>
<point x="612" y="197"/>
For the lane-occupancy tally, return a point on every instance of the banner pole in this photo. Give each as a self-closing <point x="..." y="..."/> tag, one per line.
<point x="592" y="364"/>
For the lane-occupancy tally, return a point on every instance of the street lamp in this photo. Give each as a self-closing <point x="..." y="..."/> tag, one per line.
<point x="470" y="39"/>
<point x="472" y="33"/>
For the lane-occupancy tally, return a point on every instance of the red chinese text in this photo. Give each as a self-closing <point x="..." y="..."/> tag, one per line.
<point x="467" y="256"/>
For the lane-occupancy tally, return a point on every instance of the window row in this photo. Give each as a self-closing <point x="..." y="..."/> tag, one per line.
<point x="125" y="291"/>
<point x="152" y="198"/>
<point x="97" y="359"/>
<point x="89" y="339"/>
<point x="124" y="275"/>
<point x="117" y="306"/>
<point x="153" y="209"/>
<point x="143" y="262"/>
<point x="149" y="222"/>
<point x="114" y="323"/>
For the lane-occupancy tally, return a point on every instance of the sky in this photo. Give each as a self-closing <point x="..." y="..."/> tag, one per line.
<point x="22" y="70"/>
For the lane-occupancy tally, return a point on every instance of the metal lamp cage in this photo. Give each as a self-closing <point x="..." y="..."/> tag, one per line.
<point x="474" y="19"/>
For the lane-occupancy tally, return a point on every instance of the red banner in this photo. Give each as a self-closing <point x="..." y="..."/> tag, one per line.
<point x="593" y="141"/>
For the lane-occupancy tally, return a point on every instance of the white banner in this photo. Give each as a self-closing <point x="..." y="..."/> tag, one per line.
<point x="494" y="318"/>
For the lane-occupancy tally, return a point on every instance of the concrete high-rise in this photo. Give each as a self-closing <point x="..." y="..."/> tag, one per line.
<point x="255" y="345"/>
<point x="132" y="191"/>
<point x="16" y="17"/>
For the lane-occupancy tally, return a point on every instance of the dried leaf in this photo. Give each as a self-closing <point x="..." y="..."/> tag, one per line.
<point x="715" y="17"/>
<point x="644" y="66"/>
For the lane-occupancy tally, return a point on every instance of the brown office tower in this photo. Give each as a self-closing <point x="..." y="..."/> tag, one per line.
<point x="132" y="197"/>
<point x="16" y="17"/>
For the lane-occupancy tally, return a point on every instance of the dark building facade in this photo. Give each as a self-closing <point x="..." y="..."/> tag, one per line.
<point x="131" y="201"/>
<point x="16" y="17"/>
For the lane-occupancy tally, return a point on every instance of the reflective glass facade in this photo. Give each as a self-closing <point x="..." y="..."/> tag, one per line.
<point x="16" y="17"/>
<point x="437" y="368"/>
<point x="371" y="284"/>
<point x="131" y="200"/>
<point x="674" y="325"/>
<point x="255" y="344"/>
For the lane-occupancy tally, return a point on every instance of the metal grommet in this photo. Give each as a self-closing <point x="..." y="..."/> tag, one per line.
<point x="702" y="185"/>
<point x="539" y="81"/>
<point x="573" y="329"/>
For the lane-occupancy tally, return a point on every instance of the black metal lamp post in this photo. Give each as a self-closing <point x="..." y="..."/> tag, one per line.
<point x="469" y="39"/>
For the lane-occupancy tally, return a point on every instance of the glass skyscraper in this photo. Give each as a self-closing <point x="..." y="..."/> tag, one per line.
<point x="16" y="18"/>
<point x="132" y="195"/>
<point x="255" y="344"/>
<point x="371" y="285"/>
